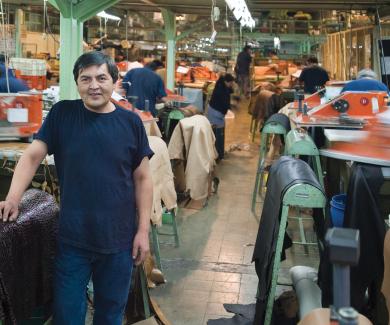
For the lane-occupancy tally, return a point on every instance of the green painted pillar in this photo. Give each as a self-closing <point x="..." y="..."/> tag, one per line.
<point x="19" y="21"/>
<point x="308" y="48"/>
<point x="71" y="47"/>
<point x="170" y="37"/>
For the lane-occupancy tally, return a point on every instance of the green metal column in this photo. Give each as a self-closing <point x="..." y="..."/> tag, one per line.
<point x="170" y="37"/>
<point x="71" y="35"/>
<point x="73" y="14"/>
<point x="19" y="21"/>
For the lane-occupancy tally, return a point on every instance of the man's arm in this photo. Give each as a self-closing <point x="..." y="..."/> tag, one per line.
<point x="24" y="173"/>
<point x="143" y="197"/>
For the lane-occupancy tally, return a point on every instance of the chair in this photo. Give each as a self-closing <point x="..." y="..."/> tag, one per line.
<point x="173" y="115"/>
<point x="299" y="143"/>
<point x="298" y="195"/>
<point x="272" y="126"/>
<point x="168" y="218"/>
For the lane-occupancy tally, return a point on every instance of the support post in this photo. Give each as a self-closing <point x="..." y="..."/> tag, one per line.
<point x="19" y="22"/>
<point x="170" y="37"/>
<point x="71" y="31"/>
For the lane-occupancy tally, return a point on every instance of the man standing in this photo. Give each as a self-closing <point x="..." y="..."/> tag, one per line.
<point x="146" y="85"/>
<point x="313" y="76"/>
<point x="102" y="156"/>
<point x="242" y="68"/>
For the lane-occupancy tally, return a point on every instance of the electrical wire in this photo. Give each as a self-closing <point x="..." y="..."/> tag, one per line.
<point x="382" y="53"/>
<point x="5" y="38"/>
<point x="46" y="20"/>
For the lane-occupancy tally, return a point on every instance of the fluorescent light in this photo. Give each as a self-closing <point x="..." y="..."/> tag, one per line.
<point x="241" y="12"/>
<point x="105" y="15"/>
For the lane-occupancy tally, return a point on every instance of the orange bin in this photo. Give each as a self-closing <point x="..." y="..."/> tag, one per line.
<point x="33" y="82"/>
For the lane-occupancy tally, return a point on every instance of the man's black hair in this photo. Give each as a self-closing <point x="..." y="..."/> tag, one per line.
<point x="312" y="60"/>
<point x="95" y="58"/>
<point x="246" y="48"/>
<point x="154" y="65"/>
<point x="2" y="58"/>
<point x="228" y="77"/>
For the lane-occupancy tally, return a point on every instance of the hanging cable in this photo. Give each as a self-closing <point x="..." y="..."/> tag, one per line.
<point x="46" y="20"/>
<point x="382" y="52"/>
<point x="5" y="38"/>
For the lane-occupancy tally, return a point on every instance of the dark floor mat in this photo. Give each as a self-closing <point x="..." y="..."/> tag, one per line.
<point x="246" y="311"/>
<point x="235" y="320"/>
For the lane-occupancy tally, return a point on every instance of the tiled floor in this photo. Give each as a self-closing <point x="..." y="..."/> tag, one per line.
<point x="213" y="264"/>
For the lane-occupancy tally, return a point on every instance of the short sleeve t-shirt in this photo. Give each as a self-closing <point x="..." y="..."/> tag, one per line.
<point x="146" y="85"/>
<point x="95" y="156"/>
<point x="365" y="84"/>
<point x="313" y="77"/>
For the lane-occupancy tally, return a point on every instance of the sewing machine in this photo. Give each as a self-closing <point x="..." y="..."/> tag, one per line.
<point x="20" y="115"/>
<point x="322" y="96"/>
<point x="348" y="110"/>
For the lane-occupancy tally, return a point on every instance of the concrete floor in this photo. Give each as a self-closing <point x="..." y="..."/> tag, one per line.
<point x="213" y="265"/>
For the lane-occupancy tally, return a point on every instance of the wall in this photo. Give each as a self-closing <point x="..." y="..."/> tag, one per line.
<point x="347" y="52"/>
<point x="39" y="42"/>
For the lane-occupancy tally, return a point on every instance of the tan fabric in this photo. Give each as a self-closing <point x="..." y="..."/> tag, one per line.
<point x="162" y="176"/>
<point x="386" y="274"/>
<point x="193" y="140"/>
<point x="152" y="128"/>
<point x="321" y="316"/>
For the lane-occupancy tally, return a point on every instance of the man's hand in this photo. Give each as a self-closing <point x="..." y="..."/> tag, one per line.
<point x="8" y="210"/>
<point x="140" y="246"/>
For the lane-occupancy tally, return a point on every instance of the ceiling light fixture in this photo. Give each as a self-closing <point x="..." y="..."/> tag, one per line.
<point x="241" y="12"/>
<point x="105" y="15"/>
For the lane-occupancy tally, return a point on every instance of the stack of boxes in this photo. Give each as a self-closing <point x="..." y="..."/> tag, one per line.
<point x="32" y="71"/>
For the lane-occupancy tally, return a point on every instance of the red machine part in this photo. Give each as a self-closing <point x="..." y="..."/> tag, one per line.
<point x="33" y="103"/>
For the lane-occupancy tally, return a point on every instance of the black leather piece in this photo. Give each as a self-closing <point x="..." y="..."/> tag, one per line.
<point x="246" y="311"/>
<point x="284" y="173"/>
<point x="235" y="320"/>
<point x="280" y="118"/>
<point x="362" y="212"/>
<point x="27" y="249"/>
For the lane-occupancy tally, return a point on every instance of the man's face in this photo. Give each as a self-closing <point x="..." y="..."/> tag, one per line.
<point x="95" y="86"/>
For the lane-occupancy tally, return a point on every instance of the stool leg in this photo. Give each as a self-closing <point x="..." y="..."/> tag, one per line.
<point x="174" y="225"/>
<point x="275" y="269"/>
<point x="256" y="188"/>
<point x="302" y="232"/>
<point x="254" y="130"/>
<point x="251" y="125"/>
<point x="167" y="127"/>
<point x="156" y="246"/>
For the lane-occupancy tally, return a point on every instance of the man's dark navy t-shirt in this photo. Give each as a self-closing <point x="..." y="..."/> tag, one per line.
<point x="313" y="77"/>
<point x="147" y="85"/>
<point x="95" y="156"/>
<point x="365" y="84"/>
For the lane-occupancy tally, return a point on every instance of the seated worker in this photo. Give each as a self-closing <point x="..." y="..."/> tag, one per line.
<point x="218" y="108"/>
<point x="15" y="85"/>
<point x="366" y="80"/>
<point x="313" y="76"/>
<point x="146" y="85"/>
<point x="2" y="67"/>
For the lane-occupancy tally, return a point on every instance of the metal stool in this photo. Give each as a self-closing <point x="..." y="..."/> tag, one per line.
<point x="168" y="218"/>
<point x="269" y="128"/>
<point x="173" y="115"/>
<point x="299" y="143"/>
<point x="298" y="195"/>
